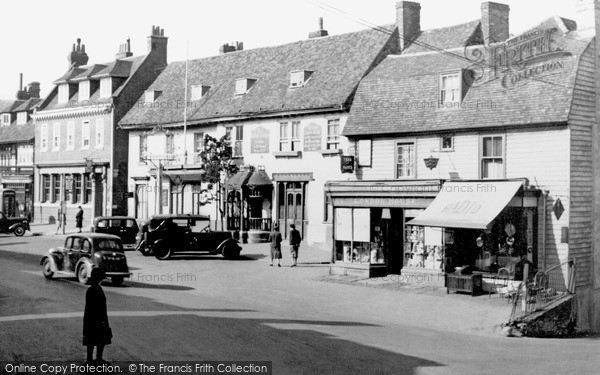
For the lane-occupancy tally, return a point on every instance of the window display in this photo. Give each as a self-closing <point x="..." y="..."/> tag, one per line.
<point x="423" y="247"/>
<point x="360" y="236"/>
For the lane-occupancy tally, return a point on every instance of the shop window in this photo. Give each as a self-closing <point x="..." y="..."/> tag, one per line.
<point x="46" y="184"/>
<point x="68" y="191"/>
<point x="423" y="247"/>
<point x="333" y="134"/>
<point x="87" y="193"/>
<point x="76" y="188"/>
<point x="492" y="156"/>
<point x="405" y="159"/>
<point x="359" y="236"/>
<point x="55" y="187"/>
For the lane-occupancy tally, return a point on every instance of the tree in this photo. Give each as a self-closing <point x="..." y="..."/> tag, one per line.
<point x="217" y="156"/>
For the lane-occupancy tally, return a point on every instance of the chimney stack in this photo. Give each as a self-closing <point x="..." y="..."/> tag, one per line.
<point x="235" y="46"/>
<point x="77" y="57"/>
<point x="494" y="22"/>
<point x="124" y="50"/>
<point x="21" y="94"/>
<point x="320" y="32"/>
<point x="408" y="21"/>
<point x="34" y="90"/>
<point x="157" y="44"/>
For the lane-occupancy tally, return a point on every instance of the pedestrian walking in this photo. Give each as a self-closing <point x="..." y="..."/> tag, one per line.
<point x="96" y="330"/>
<point x="295" y="239"/>
<point x="61" y="220"/>
<point x="79" y="219"/>
<point x="275" y="240"/>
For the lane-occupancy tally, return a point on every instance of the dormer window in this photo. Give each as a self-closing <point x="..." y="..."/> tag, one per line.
<point x="63" y="93"/>
<point x="5" y="119"/>
<point x="106" y="87"/>
<point x="150" y="96"/>
<point x="243" y="85"/>
<point x="298" y="78"/>
<point x="199" y="91"/>
<point x="450" y="88"/>
<point x="21" y="118"/>
<point x="84" y="90"/>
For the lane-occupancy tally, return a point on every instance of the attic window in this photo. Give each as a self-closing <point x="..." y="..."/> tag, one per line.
<point x="63" y="93"/>
<point x="5" y="119"/>
<point x="298" y="78"/>
<point x="199" y="91"/>
<point x="150" y="96"/>
<point x="21" y="118"/>
<point x="450" y="89"/>
<point x="243" y="85"/>
<point x="106" y="87"/>
<point x="84" y="90"/>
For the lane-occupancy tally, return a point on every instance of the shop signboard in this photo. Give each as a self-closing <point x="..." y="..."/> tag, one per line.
<point x="312" y="137"/>
<point x="259" y="141"/>
<point x="347" y="163"/>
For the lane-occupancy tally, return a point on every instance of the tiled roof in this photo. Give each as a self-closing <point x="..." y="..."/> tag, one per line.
<point x="120" y="68"/>
<point x="17" y="133"/>
<point x="28" y="104"/>
<point x="9" y="105"/>
<point x="338" y="63"/>
<point x="457" y="36"/>
<point x="401" y="95"/>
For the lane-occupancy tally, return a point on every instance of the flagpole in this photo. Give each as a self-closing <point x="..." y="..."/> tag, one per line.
<point x="185" y="105"/>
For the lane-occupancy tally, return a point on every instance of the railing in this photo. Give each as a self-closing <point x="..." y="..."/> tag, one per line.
<point x="546" y="287"/>
<point x="233" y="223"/>
<point x="258" y="223"/>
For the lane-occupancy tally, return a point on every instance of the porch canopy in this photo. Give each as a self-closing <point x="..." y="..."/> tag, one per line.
<point x="250" y="178"/>
<point x="468" y="204"/>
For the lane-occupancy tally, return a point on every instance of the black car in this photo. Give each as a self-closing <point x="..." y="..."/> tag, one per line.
<point x="124" y="227"/>
<point x="188" y="234"/>
<point x="82" y="252"/>
<point x="16" y="225"/>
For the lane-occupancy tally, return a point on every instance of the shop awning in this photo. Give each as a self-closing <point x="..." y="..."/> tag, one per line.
<point x="248" y="178"/>
<point x="468" y="204"/>
<point x="183" y="175"/>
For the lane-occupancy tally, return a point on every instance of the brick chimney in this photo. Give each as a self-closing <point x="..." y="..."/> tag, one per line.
<point x="320" y="32"/>
<point x="494" y="22"/>
<point x="408" y="21"/>
<point x="21" y="94"/>
<point x="33" y="90"/>
<point x="235" y="46"/>
<point x="157" y="44"/>
<point x="124" y="50"/>
<point x="78" y="57"/>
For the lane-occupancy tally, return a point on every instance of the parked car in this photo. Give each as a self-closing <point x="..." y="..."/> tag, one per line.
<point x="124" y="227"/>
<point x="16" y="225"/>
<point x="188" y="234"/>
<point x="82" y="252"/>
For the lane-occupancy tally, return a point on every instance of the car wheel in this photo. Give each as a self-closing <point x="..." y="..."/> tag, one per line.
<point x="162" y="251"/>
<point x="47" y="269"/>
<point x="117" y="280"/>
<point x="83" y="275"/>
<point x="231" y="251"/>
<point x="19" y="231"/>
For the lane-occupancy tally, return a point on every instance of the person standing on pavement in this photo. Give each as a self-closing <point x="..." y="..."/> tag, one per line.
<point x="79" y="219"/>
<point x="295" y="239"/>
<point x="275" y="240"/>
<point x="96" y="330"/>
<point x="61" y="219"/>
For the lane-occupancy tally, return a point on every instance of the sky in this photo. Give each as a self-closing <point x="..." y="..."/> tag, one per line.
<point x="38" y="35"/>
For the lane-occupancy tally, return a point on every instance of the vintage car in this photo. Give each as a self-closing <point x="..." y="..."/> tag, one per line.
<point x="188" y="234"/>
<point x="124" y="227"/>
<point x="82" y="252"/>
<point x="16" y="225"/>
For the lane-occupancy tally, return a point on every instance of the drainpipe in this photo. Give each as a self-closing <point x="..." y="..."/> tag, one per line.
<point x="544" y="210"/>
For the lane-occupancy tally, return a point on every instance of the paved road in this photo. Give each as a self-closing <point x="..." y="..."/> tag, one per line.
<point x="212" y="309"/>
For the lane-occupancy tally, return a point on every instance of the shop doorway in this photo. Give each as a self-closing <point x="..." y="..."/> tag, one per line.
<point x="394" y="228"/>
<point x="291" y="207"/>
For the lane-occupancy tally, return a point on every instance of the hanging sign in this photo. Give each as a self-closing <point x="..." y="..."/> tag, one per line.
<point x="347" y="163"/>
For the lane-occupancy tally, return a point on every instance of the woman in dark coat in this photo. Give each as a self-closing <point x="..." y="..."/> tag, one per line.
<point x="275" y="240"/>
<point x="79" y="219"/>
<point x="96" y="330"/>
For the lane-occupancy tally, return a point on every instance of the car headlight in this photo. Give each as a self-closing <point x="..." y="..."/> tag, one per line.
<point x="97" y="255"/>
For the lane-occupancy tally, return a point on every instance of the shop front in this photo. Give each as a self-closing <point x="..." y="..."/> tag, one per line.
<point x="476" y="227"/>
<point x="369" y="223"/>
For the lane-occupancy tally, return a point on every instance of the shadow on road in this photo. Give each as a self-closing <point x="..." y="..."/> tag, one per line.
<point x="135" y="284"/>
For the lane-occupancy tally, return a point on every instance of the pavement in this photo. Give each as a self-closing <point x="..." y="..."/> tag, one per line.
<point x="404" y="296"/>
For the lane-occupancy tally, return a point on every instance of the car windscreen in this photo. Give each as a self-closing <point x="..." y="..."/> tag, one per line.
<point x="108" y="245"/>
<point x="198" y="226"/>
